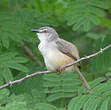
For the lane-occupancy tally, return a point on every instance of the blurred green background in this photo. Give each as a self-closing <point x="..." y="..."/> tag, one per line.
<point x="86" y="23"/>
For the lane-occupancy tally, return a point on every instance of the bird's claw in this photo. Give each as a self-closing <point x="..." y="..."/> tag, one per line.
<point x="62" y="69"/>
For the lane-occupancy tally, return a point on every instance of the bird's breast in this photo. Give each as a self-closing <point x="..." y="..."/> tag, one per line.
<point x="43" y="48"/>
<point x="53" y="58"/>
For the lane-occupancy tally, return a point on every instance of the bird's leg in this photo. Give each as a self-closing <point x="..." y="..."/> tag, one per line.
<point x="62" y="68"/>
<point x="57" y="71"/>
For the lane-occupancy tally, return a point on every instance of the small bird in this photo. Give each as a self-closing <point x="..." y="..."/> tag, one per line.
<point x="58" y="52"/>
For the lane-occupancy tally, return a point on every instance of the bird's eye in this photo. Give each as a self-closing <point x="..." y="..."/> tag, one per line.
<point x="45" y="31"/>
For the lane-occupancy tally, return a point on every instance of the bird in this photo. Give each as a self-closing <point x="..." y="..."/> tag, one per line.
<point x="58" y="52"/>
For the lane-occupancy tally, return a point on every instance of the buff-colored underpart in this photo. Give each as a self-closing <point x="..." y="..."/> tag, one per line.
<point x="55" y="60"/>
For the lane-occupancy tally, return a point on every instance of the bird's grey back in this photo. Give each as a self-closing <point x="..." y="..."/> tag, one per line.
<point x="67" y="48"/>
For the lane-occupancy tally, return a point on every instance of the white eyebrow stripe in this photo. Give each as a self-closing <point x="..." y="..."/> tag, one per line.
<point x="41" y="30"/>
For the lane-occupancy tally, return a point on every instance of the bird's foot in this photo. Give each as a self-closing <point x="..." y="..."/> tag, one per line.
<point x="62" y="68"/>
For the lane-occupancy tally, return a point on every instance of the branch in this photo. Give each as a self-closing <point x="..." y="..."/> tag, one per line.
<point x="88" y="57"/>
<point x="47" y="72"/>
<point x="31" y="55"/>
<point x="22" y="79"/>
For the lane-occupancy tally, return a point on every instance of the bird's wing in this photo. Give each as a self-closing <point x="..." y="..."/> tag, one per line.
<point x="67" y="48"/>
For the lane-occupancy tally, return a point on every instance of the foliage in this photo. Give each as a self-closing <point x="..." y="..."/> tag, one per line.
<point x="62" y="86"/>
<point x="98" y="99"/>
<point x="85" y="13"/>
<point x="86" y="23"/>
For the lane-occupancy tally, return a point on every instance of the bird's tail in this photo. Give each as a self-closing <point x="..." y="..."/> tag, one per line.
<point x="85" y="83"/>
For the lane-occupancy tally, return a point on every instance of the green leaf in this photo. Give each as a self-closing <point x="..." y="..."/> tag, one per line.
<point x="70" y="82"/>
<point x="67" y="76"/>
<point x="18" y="67"/>
<point x="4" y="93"/>
<point x="61" y="109"/>
<point x="16" y="37"/>
<point x="93" y="19"/>
<point x="54" y="97"/>
<point x="16" y="106"/>
<point x="21" y="60"/>
<point x="73" y="19"/>
<point x="6" y="56"/>
<point x="73" y="101"/>
<point x="66" y="95"/>
<point x="5" y="41"/>
<point x="1" y="79"/>
<point x="95" y="36"/>
<point x="84" y="14"/>
<point x="69" y="89"/>
<point x="105" y="22"/>
<point x="55" y="90"/>
<point x="104" y="105"/>
<point x="7" y="74"/>
<point x="97" y="11"/>
<point x="107" y="93"/>
<point x="96" y="81"/>
<point x="108" y="74"/>
<point x="99" y="4"/>
<point x="87" y="25"/>
<point x="102" y="62"/>
<point x="61" y="86"/>
<point x="77" y="103"/>
<point x="91" y="103"/>
<point x="45" y="106"/>
<point x="52" y="84"/>
<point x="80" y="104"/>
<point x="79" y="23"/>
<point x="51" y="77"/>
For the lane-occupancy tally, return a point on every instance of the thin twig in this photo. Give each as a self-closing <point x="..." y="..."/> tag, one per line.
<point x="47" y="72"/>
<point x="22" y="79"/>
<point x="89" y="56"/>
<point x="31" y="55"/>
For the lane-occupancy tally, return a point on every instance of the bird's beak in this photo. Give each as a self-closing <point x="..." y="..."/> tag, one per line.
<point x="35" y="30"/>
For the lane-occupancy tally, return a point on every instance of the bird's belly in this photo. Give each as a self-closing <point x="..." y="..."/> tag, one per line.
<point x="55" y="59"/>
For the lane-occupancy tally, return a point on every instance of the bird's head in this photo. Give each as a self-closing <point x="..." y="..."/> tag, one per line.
<point x="46" y="33"/>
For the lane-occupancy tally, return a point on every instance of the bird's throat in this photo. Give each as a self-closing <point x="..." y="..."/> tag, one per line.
<point x="42" y="37"/>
